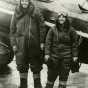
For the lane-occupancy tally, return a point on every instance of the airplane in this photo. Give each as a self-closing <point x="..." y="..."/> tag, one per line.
<point x="77" y="12"/>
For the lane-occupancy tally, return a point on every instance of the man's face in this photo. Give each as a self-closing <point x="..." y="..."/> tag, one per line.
<point x="24" y="3"/>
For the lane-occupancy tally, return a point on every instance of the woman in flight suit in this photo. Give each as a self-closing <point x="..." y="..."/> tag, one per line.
<point x="60" y="51"/>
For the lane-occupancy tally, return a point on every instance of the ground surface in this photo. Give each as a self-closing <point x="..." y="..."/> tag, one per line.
<point x="76" y="80"/>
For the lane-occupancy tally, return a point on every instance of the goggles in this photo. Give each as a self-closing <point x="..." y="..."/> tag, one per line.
<point x="25" y="0"/>
<point x="62" y="13"/>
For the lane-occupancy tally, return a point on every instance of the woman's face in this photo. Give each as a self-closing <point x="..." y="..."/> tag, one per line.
<point x="24" y="3"/>
<point x="61" y="19"/>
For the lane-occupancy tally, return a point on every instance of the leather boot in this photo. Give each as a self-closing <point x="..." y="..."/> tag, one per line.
<point x="23" y="83"/>
<point x="23" y="80"/>
<point x="37" y="80"/>
<point x="49" y="85"/>
<point x="62" y="86"/>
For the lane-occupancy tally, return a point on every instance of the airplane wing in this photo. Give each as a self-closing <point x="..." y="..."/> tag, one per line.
<point x="80" y="21"/>
<point x="72" y="7"/>
<point x="69" y="6"/>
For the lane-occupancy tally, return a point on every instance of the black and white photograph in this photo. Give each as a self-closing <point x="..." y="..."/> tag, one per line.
<point x="43" y="43"/>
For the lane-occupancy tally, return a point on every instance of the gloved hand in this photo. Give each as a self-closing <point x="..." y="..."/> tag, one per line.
<point x="15" y="48"/>
<point x="42" y="46"/>
<point x="47" y="58"/>
<point x="75" y="66"/>
<point x="75" y="58"/>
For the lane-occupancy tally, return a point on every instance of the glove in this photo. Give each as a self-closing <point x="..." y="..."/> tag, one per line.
<point x="75" y="66"/>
